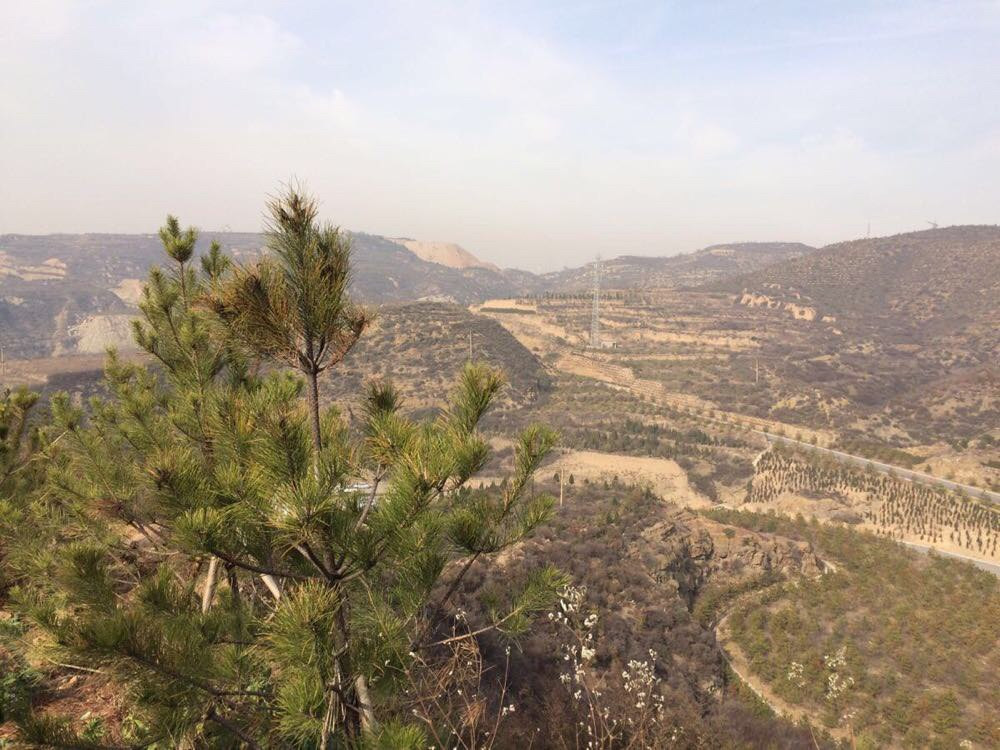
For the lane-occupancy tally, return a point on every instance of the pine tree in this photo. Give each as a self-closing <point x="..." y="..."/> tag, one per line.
<point x="251" y="569"/>
<point x="17" y="441"/>
<point x="20" y="473"/>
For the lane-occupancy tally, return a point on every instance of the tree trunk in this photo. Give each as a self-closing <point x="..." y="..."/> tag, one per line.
<point x="208" y="594"/>
<point x="234" y="586"/>
<point x="367" y="715"/>
<point x="317" y="436"/>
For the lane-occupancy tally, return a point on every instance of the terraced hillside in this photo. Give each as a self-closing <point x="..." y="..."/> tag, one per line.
<point x="74" y="293"/>
<point x="908" y="324"/>
<point x="699" y="349"/>
<point x="420" y="346"/>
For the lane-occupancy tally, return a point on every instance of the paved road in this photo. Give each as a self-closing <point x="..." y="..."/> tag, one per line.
<point x="899" y="471"/>
<point x="989" y="567"/>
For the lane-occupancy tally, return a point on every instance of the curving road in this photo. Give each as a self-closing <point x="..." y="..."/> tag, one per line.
<point x="989" y="567"/>
<point x="898" y="471"/>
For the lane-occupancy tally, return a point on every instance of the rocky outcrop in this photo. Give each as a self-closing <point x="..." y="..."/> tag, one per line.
<point x="690" y="549"/>
<point x="129" y="291"/>
<point x="796" y="310"/>
<point x="51" y="268"/>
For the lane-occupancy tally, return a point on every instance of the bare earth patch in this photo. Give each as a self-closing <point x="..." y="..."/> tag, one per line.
<point x="663" y="476"/>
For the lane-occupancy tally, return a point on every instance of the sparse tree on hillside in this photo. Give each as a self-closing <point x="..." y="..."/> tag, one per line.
<point x="249" y="570"/>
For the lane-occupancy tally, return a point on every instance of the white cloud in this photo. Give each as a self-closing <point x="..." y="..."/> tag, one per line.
<point x="35" y="20"/>
<point x="699" y="138"/>
<point x="227" y="44"/>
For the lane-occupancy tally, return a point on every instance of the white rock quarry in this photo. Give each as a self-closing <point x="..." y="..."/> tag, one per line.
<point x="444" y="254"/>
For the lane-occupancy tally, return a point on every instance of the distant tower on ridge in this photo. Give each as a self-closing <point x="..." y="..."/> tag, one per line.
<point x="595" y="314"/>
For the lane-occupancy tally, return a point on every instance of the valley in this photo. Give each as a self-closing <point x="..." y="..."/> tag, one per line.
<point x="499" y="375"/>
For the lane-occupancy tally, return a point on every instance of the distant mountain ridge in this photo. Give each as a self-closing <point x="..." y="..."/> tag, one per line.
<point x="74" y="292"/>
<point x="65" y="293"/>
<point x="688" y="269"/>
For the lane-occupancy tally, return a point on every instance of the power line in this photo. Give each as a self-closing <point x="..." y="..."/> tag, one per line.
<point x="595" y="315"/>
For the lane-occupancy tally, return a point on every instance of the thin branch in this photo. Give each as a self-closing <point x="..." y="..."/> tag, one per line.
<point x="473" y="633"/>
<point x="439" y="607"/>
<point x="222" y="721"/>
<point x="371" y="500"/>
<point x="258" y="568"/>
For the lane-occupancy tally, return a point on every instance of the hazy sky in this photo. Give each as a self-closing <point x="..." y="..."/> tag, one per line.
<point x="534" y="133"/>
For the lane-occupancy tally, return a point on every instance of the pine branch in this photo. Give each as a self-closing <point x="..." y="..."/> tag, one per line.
<point x="259" y="568"/>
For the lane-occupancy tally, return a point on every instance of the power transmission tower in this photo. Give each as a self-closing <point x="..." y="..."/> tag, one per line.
<point x="595" y="319"/>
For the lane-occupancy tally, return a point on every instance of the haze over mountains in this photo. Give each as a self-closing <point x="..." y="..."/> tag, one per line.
<point x="76" y="293"/>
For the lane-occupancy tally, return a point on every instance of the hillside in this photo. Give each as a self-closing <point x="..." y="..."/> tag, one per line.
<point x="719" y="605"/>
<point x="647" y="569"/>
<point x="689" y="269"/>
<point x="901" y="648"/>
<point x="909" y="324"/>
<point x="926" y="284"/>
<point x="73" y="293"/>
<point x="422" y="347"/>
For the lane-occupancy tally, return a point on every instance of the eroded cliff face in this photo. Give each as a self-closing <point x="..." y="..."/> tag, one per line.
<point x="795" y="309"/>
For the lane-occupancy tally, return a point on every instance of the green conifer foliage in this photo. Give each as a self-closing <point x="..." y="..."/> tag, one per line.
<point x="251" y="570"/>
<point x="19" y="475"/>
<point x="17" y="441"/>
